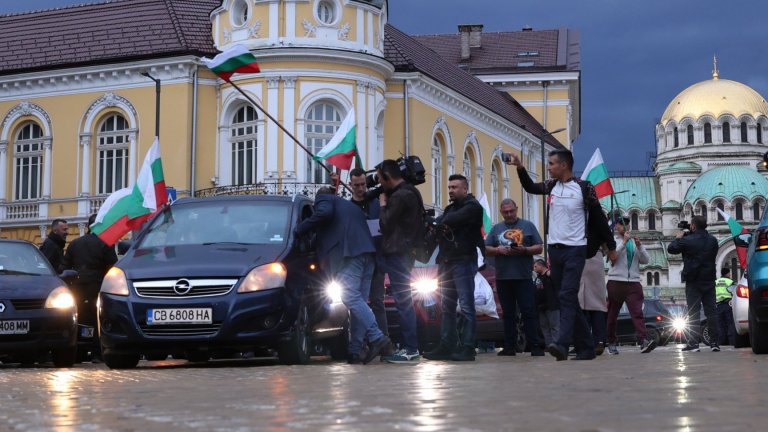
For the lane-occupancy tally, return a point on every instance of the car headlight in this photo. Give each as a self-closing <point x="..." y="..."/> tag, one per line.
<point x="333" y="290"/>
<point x="264" y="277"/>
<point x="679" y="324"/>
<point x="425" y="285"/>
<point x="115" y="282"/>
<point x="60" y="298"/>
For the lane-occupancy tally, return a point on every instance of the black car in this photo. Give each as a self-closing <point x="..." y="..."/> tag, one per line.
<point x="38" y="315"/>
<point x="658" y="323"/>
<point x="220" y="274"/>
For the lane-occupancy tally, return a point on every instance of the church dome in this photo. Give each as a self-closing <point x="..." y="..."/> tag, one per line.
<point x="715" y="97"/>
<point x="727" y="182"/>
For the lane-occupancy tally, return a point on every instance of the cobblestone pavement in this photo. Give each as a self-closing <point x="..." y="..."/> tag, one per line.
<point x="663" y="390"/>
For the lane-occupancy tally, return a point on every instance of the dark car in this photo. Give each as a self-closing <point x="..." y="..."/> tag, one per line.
<point x="658" y="323"/>
<point x="38" y="315"/>
<point x="220" y="274"/>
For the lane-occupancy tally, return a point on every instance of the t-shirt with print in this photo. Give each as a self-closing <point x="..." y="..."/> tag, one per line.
<point x="521" y="233"/>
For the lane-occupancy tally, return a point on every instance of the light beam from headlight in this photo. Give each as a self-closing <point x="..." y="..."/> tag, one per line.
<point x="680" y="324"/>
<point x="425" y="285"/>
<point x="333" y="290"/>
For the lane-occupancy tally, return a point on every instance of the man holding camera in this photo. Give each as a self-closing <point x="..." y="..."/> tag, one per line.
<point x="699" y="249"/>
<point x="401" y="208"/>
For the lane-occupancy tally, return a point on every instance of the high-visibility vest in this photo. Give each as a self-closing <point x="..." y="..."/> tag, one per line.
<point x="721" y="289"/>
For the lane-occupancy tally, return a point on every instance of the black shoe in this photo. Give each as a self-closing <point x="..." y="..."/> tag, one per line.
<point x="572" y="352"/>
<point x="382" y="347"/>
<point x="691" y="348"/>
<point x="506" y="352"/>
<point x="599" y="348"/>
<point x="715" y="348"/>
<point x="354" y="359"/>
<point x="537" y="352"/>
<point x="647" y="346"/>
<point x="464" y="354"/>
<point x="585" y="357"/>
<point x="442" y="352"/>
<point x="557" y="352"/>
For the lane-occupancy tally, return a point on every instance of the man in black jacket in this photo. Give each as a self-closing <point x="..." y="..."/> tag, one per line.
<point x="53" y="246"/>
<point x="699" y="249"/>
<point x="459" y="237"/>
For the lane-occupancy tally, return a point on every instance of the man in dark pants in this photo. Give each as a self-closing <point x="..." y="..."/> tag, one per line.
<point x="514" y="242"/>
<point x="459" y="238"/>
<point x="346" y="253"/>
<point x="53" y="246"/>
<point x="699" y="249"/>
<point x="574" y="213"/>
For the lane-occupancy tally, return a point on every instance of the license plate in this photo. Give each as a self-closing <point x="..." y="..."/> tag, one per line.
<point x="86" y="332"/>
<point x="180" y="316"/>
<point x="14" y="327"/>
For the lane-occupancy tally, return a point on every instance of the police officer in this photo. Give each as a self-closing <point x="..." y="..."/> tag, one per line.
<point x="723" y="296"/>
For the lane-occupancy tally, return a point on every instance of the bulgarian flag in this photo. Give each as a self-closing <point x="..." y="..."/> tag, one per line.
<point x="126" y="209"/>
<point x="597" y="174"/>
<point x="487" y="224"/>
<point x="237" y="59"/>
<point x="736" y="231"/>
<point x="341" y="150"/>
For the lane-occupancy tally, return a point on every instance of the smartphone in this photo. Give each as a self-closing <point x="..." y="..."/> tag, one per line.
<point x="506" y="157"/>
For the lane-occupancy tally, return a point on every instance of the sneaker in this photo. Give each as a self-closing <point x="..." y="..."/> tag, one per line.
<point x="647" y="346"/>
<point x="381" y="347"/>
<point x="715" y="348"/>
<point x="402" y="356"/>
<point x="506" y="352"/>
<point x="613" y="349"/>
<point x="599" y="348"/>
<point x="557" y="352"/>
<point x="464" y="354"/>
<point x="691" y="348"/>
<point x="442" y="352"/>
<point x="354" y="359"/>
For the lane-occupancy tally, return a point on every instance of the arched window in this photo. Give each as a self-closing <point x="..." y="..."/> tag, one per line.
<point x="326" y="12"/>
<point x="649" y="279"/>
<point x="323" y="120"/>
<point x="722" y="208"/>
<point x="726" y="132"/>
<point x="759" y="133"/>
<point x="467" y="165"/>
<point x="707" y="133"/>
<point x="703" y="209"/>
<point x="739" y="211"/>
<point x="112" y="154"/>
<point x="743" y="132"/>
<point x="634" y="222"/>
<point x="656" y="278"/>
<point x="677" y="138"/>
<point x="690" y="134"/>
<point x="27" y="162"/>
<point x="437" y="169"/>
<point x="756" y="211"/>
<point x="651" y="221"/>
<point x="244" y="146"/>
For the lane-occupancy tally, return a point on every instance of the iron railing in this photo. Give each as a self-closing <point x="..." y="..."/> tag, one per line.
<point x="284" y="188"/>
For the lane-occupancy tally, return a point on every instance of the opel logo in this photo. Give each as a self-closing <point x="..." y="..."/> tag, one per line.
<point x="182" y="287"/>
<point x="2" y="307"/>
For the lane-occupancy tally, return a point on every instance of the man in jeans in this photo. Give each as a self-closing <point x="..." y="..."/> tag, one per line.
<point x="346" y="252"/>
<point x="459" y="236"/>
<point x="401" y="208"/>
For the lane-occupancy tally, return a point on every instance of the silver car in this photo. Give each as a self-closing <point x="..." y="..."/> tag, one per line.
<point x="740" y="306"/>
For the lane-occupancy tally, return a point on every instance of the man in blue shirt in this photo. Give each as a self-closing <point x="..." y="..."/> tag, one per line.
<point x="514" y="242"/>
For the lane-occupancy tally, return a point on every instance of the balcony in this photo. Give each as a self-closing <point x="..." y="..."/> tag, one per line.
<point x="24" y="211"/>
<point x="269" y="188"/>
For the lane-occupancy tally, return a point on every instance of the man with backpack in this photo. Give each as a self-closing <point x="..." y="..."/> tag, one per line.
<point x="577" y="229"/>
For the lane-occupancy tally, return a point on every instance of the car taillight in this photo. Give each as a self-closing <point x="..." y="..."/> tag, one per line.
<point x="762" y="239"/>
<point x="742" y="291"/>
<point x="658" y="318"/>
<point x="764" y="294"/>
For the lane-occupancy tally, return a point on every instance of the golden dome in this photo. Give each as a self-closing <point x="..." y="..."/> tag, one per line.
<point x="715" y="97"/>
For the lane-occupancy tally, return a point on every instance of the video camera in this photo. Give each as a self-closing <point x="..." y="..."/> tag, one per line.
<point x="685" y="226"/>
<point x="412" y="169"/>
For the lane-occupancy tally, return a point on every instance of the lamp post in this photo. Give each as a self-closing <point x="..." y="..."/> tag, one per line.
<point x="157" y="102"/>
<point x="544" y="170"/>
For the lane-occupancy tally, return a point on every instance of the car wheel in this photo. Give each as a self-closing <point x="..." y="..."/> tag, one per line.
<point x="741" y="341"/>
<point x="758" y="335"/>
<point x="64" y="357"/>
<point x="338" y="345"/>
<point x="295" y="350"/>
<point x="653" y="334"/>
<point x="121" y="361"/>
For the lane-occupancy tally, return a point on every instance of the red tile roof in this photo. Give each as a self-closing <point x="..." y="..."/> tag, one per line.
<point x="119" y="30"/>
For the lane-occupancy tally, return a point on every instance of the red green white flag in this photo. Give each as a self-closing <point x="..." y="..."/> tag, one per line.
<point x="341" y="150"/>
<point x="128" y="208"/>
<point x="736" y="230"/>
<point x="487" y="223"/>
<point x="597" y="174"/>
<point x="237" y="59"/>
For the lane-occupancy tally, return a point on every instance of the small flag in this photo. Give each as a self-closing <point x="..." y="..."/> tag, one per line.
<point x="237" y="59"/>
<point x="736" y="230"/>
<point x="341" y="150"/>
<point x="487" y="224"/>
<point x="597" y="174"/>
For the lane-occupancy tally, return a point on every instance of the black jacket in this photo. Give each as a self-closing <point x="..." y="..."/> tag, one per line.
<point x="546" y="294"/>
<point x="699" y="249"/>
<point x="463" y="235"/>
<point x="91" y="257"/>
<point x="398" y="219"/>
<point x="53" y="249"/>
<point x="598" y="231"/>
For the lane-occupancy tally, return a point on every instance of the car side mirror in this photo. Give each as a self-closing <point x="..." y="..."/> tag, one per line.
<point x="69" y="276"/>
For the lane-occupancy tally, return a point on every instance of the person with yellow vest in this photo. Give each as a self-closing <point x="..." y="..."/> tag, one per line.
<point x="723" y="295"/>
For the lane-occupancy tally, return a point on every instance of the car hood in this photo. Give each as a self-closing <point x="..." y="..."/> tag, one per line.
<point x="218" y="260"/>
<point x="28" y="286"/>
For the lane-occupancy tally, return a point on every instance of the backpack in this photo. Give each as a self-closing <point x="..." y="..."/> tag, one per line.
<point x="423" y="244"/>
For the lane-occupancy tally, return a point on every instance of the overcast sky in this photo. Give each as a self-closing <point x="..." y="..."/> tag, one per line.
<point x="636" y="56"/>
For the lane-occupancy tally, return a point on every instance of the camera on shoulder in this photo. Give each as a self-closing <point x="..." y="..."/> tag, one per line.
<point x="685" y="226"/>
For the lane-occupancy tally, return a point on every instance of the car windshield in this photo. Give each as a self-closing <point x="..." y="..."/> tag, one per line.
<point x="23" y="259"/>
<point x="240" y="222"/>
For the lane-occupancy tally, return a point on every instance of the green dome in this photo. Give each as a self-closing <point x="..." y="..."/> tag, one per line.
<point x="681" y="166"/>
<point x="727" y="182"/>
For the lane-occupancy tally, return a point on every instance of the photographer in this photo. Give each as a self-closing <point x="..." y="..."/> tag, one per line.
<point x="459" y="236"/>
<point x="699" y="249"/>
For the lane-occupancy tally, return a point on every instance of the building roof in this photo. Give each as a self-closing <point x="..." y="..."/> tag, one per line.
<point x="680" y="167"/>
<point x="634" y="193"/>
<point x="100" y="33"/>
<point x="547" y="50"/>
<point x="727" y="182"/>
<point x="408" y="55"/>
<point x="715" y="97"/>
<point x="658" y="259"/>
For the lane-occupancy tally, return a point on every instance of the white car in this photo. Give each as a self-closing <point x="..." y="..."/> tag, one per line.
<point x="740" y="307"/>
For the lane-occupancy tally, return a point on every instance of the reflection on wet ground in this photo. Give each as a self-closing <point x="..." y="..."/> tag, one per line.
<point x="664" y="390"/>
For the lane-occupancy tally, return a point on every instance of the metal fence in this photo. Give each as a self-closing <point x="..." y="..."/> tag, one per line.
<point x="269" y="188"/>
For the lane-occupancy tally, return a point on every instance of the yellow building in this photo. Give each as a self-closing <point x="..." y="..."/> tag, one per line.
<point x="78" y="106"/>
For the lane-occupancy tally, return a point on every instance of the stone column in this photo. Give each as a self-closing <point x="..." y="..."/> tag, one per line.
<point x="85" y="185"/>
<point x="289" y="120"/>
<point x="273" y="88"/>
<point x="3" y="169"/>
<point x="360" y="113"/>
<point x="48" y="160"/>
<point x="132" y="158"/>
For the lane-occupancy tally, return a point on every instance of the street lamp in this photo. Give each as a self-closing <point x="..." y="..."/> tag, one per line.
<point x="544" y="170"/>
<point x="157" y="102"/>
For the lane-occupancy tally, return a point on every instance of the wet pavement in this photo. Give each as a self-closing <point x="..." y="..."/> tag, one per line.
<point x="663" y="390"/>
